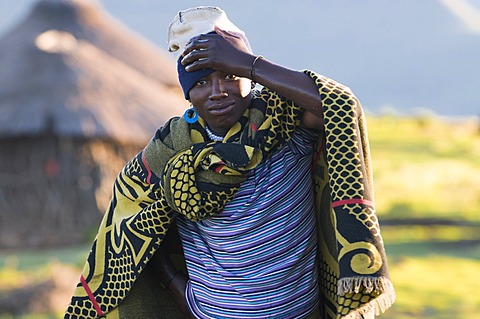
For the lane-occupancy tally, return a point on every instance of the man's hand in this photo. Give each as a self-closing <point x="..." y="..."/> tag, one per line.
<point x="177" y="288"/>
<point x="174" y="280"/>
<point x="224" y="51"/>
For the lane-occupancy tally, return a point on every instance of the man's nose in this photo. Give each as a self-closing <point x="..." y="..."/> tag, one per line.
<point x="218" y="89"/>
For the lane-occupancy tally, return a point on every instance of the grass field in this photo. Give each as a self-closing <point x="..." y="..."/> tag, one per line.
<point x="424" y="169"/>
<point x="429" y="168"/>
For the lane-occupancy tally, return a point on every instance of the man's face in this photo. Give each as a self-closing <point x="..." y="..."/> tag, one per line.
<point x="221" y="99"/>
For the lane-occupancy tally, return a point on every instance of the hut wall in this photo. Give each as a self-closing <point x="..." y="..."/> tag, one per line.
<point x="54" y="191"/>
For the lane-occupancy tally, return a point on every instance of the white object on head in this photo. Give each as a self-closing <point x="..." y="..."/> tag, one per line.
<point x="199" y="20"/>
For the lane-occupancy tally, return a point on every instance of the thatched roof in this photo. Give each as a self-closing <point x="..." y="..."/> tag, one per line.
<point x="71" y="69"/>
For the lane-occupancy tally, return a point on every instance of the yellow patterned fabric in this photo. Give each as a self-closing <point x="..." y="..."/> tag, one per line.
<point x="182" y="172"/>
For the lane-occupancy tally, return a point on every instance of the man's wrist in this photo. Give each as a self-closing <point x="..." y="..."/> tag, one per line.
<point x="172" y="278"/>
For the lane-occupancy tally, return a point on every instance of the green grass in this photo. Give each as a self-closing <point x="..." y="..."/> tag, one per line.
<point x="426" y="167"/>
<point x="434" y="270"/>
<point x="406" y="234"/>
<point x="31" y="259"/>
<point x="435" y="287"/>
<point x="32" y="316"/>
<point x="429" y="168"/>
<point x="19" y="268"/>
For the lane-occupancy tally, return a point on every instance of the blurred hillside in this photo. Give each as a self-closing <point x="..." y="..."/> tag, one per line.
<point x="407" y="54"/>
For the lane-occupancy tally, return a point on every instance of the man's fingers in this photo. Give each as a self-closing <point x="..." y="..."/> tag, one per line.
<point x="195" y="45"/>
<point x="194" y="56"/>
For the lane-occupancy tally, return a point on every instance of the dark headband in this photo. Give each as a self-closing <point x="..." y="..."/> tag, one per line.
<point x="188" y="79"/>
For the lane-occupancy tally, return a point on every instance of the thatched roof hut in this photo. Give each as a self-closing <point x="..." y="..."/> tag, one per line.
<point x="80" y="94"/>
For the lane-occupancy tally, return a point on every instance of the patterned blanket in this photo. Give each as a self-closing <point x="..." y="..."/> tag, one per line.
<point x="181" y="172"/>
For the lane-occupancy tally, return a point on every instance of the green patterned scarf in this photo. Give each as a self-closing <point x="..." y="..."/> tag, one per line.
<point x="180" y="171"/>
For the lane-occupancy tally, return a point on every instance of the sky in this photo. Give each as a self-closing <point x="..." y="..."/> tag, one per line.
<point x="406" y="56"/>
<point x="468" y="13"/>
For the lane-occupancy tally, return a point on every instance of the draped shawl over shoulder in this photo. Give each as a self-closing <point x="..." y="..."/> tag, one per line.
<point x="181" y="172"/>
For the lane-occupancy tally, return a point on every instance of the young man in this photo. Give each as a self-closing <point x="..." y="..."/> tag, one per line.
<point x="271" y="190"/>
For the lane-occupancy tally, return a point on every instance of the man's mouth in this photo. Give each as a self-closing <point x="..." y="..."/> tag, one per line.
<point x="220" y="109"/>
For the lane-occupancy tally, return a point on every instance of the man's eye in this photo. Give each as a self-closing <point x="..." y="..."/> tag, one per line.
<point x="201" y="82"/>
<point x="230" y="77"/>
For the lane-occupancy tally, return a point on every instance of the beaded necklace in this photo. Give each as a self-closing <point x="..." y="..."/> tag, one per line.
<point x="213" y="136"/>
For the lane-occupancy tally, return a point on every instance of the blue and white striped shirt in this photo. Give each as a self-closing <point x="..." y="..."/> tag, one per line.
<point x="256" y="258"/>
